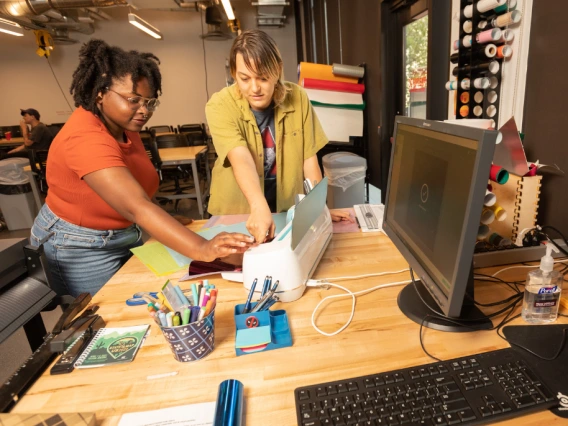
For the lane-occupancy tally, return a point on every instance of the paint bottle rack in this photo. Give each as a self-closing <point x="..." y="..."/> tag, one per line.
<point x="280" y="335"/>
<point x="475" y="102"/>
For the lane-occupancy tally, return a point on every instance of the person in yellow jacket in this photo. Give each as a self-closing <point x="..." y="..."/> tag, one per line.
<point x="266" y="136"/>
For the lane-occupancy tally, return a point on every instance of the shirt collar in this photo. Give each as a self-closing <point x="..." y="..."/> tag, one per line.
<point x="281" y="110"/>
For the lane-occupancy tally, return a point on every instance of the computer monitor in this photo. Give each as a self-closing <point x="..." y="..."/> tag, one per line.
<point x="437" y="181"/>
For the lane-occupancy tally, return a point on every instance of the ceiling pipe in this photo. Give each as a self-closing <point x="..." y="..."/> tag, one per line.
<point x="20" y="8"/>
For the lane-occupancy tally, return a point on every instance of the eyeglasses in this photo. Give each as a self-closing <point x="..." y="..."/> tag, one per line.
<point x="136" y="102"/>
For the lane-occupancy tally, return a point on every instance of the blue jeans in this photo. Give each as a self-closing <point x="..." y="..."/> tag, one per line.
<point x="82" y="260"/>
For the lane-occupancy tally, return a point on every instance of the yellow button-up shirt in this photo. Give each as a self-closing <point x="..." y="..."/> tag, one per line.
<point x="299" y="136"/>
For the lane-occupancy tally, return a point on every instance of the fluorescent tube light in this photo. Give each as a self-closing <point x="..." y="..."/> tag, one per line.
<point x="11" y="28"/>
<point x="140" y="23"/>
<point x="228" y="9"/>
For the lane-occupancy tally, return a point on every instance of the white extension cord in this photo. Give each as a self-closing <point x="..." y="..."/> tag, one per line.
<point x="324" y="283"/>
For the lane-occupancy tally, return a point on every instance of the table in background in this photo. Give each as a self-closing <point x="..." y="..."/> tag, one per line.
<point x="380" y="338"/>
<point x="4" y="143"/>
<point x="187" y="155"/>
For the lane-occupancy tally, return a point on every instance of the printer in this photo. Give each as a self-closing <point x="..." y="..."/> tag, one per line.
<point x="292" y="257"/>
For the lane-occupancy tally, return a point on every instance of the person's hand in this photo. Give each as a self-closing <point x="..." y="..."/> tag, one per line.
<point x="260" y="223"/>
<point x="340" y="216"/>
<point x="24" y="127"/>
<point x="225" y="244"/>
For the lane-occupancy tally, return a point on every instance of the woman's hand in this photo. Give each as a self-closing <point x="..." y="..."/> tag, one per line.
<point x="341" y="215"/>
<point x="225" y="244"/>
<point x="260" y="223"/>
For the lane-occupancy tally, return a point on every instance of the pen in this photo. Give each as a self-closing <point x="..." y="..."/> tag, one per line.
<point x="275" y="286"/>
<point x="249" y="298"/>
<point x="268" y="304"/>
<point x="265" y="286"/>
<point x="260" y="303"/>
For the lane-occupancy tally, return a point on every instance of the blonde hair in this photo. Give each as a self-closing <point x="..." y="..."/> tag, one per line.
<point x="261" y="56"/>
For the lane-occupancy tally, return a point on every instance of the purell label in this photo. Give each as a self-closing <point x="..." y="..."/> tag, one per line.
<point x="548" y="290"/>
<point x="544" y="303"/>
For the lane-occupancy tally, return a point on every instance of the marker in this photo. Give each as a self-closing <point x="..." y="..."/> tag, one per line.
<point x="169" y="320"/>
<point x="208" y="307"/>
<point x="249" y="298"/>
<point x="201" y="295"/>
<point x="205" y="299"/>
<point x="152" y="307"/>
<point x="194" y="293"/>
<point x="162" y="317"/>
<point x="176" y="320"/>
<point x="181" y="295"/>
<point x="194" y="314"/>
<point x="185" y="316"/>
<point x="201" y="314"/>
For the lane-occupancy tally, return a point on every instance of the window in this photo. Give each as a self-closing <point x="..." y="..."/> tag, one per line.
<point x="415" y="61"/>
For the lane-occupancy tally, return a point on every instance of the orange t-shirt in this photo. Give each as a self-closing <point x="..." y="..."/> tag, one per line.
<point x="84" y="145"/>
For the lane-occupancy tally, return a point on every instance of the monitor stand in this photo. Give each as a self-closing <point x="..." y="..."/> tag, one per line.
<point x="412" y="306"/>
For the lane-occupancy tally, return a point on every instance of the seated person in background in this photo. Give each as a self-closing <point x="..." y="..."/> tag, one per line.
<point x="101" y="180"/>
<point x="40" y="137"/>
<point x="266" y="135"/>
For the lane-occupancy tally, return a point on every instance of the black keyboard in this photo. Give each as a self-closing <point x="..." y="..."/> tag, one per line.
<point x="478" y="389"/>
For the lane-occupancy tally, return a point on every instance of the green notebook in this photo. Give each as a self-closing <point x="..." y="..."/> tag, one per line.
<point x="112" y="346"/>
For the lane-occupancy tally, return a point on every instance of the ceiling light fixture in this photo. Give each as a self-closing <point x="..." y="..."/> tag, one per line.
<point x="228" y="9"/>
<point x="11" y="28"/>
<point x="140" y="23"/>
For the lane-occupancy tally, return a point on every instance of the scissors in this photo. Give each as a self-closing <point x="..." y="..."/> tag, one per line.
<point x="142" y="298"/>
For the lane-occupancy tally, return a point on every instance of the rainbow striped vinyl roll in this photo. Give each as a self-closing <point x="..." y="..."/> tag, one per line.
<point x="229" y="409"/>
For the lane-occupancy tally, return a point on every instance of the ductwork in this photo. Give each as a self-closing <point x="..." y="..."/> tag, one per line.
<point x="58" y="16"/>
<point x="18" y="8"/>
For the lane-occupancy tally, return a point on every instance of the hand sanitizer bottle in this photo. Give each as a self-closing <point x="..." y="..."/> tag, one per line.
<point x="542" y="291"/>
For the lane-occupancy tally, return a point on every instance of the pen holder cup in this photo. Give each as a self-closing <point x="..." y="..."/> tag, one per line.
<point x="252" y="336"/>
<point x="192" y="342"/>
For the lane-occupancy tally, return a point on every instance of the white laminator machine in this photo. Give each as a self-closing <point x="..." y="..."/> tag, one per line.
<point x="293" y="255"/>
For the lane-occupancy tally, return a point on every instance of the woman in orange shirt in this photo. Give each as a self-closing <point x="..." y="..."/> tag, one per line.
<point x="101" y="180"/>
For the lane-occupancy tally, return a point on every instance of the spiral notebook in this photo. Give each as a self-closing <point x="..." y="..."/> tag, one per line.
<point x="112" y="346"/>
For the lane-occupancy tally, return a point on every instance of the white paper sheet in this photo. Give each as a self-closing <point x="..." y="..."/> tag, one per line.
<point x="184" y="415"/>
<point x="335" y="98"/>
<point x="339" y="124"/>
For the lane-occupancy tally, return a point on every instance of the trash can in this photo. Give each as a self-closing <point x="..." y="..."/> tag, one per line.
<point x="16" y="198"/>
<point x="346" y="179"/>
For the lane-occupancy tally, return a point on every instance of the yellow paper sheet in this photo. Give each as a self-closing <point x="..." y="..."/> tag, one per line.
<point x="156" y="258"/>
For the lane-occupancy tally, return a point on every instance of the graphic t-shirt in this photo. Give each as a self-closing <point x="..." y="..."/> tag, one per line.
<point x="265" y="123"/>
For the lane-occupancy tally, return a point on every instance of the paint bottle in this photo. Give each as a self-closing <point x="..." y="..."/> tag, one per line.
<point x="542" y="291"/>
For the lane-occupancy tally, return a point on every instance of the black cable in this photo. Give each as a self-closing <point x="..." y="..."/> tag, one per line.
<point x="552" y="241"/>
<point x="57" y="81"/>
<point x="461" y="321"/>
<point x="204" y="58"/>
<point x="422" y="342"/>
<point x="556" y="355"/>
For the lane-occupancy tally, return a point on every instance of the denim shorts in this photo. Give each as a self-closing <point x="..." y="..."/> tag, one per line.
<point x="81" y="260"/>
